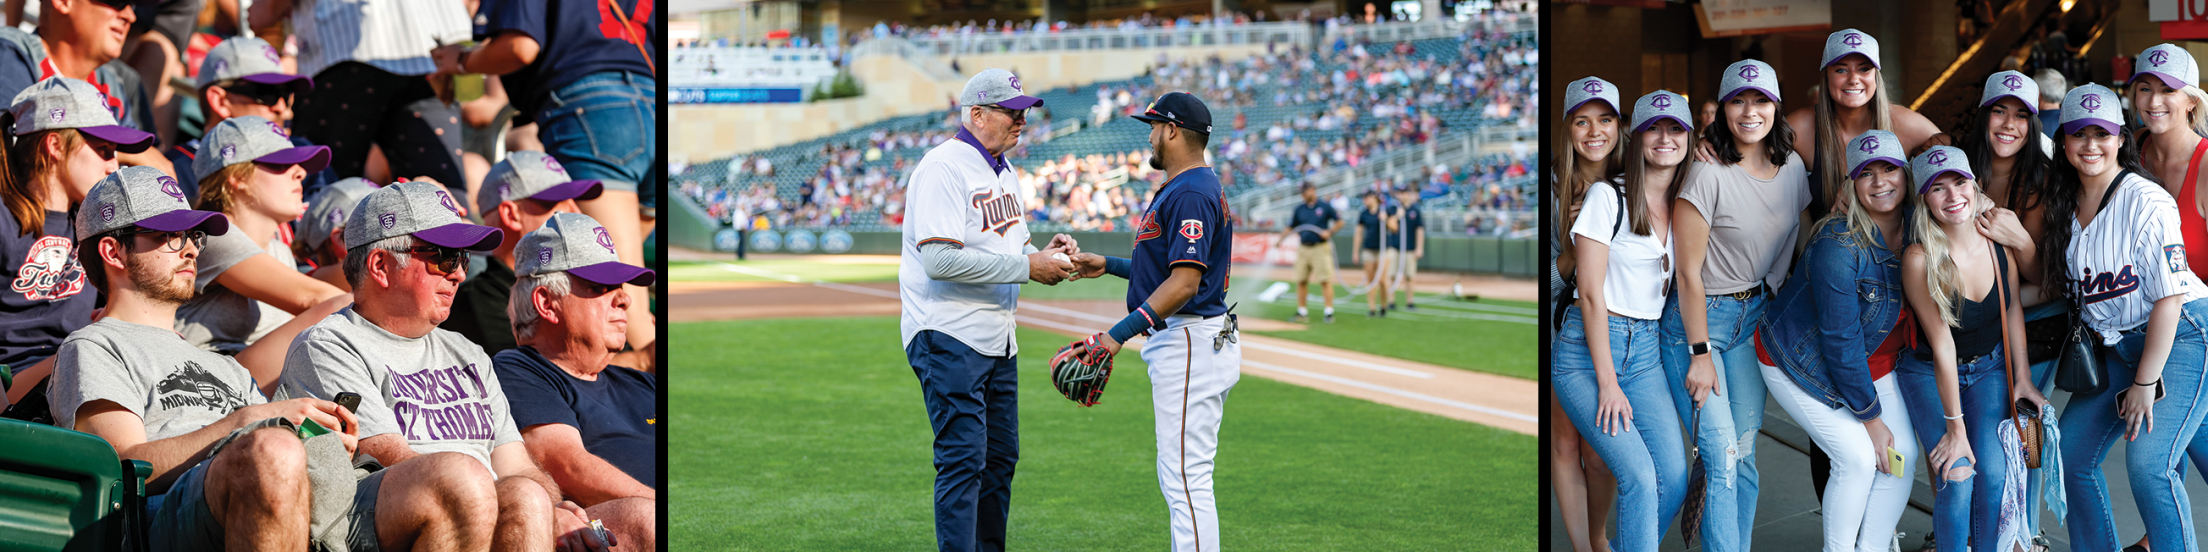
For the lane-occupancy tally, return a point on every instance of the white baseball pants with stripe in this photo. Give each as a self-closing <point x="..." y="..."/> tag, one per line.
<point x="1189" y="382"/>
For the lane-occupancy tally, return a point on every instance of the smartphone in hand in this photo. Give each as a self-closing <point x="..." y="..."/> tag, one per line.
<point x="349" y="400"/>
<point x="1894" y="462"/>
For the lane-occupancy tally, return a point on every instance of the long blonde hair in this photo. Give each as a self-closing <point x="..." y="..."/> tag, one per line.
<point x="214" y="189"/>
<point x="1940" y="272"/>
<point x="1832" y="149"/>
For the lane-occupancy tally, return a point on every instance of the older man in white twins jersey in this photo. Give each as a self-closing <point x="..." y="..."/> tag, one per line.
<point x="966" y="251"/>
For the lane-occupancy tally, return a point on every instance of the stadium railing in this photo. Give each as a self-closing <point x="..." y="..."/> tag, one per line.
<point x="1285" y="32"/>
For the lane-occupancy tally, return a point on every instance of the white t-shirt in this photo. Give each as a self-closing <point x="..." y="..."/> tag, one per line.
<point x="2131" y="256"/>
<point x="1633" y="284"/>
<point x="955" y="196"/>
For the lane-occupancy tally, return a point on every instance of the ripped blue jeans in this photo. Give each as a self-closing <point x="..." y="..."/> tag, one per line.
<point x="1730" y="420"/>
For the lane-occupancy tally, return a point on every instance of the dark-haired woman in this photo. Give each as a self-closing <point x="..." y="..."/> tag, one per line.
<point x="1735" y="223"/>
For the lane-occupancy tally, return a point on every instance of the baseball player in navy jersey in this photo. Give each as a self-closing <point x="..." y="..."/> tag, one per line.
<point x="965" y="253"/>
<point x="1176" y="294"/>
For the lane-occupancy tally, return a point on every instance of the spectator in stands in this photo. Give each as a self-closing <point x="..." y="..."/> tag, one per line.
<point x="1314" y="224"/>
<point x="321" y="238"/>
<point x="2052" y="87"/>
<point x="588" y="421"/>
<point x="406" y="245"/>
<point x="51" y="164"/>
<point x="248" y="286"/>
<point x="242" y="76"/>
<point x="589" y="85"/>
<point x="518" y="196"/>
<point x="80" y="40"/>
<point x="229" y="471"/>
<point x="371" y="92"/>
<point x="1708" y="113"/>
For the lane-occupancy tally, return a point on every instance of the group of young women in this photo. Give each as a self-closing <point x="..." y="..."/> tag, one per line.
<point x="1895" y="333"/>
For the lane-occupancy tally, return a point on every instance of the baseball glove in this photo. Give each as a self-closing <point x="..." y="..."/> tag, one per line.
<point x="1080" y="370"/>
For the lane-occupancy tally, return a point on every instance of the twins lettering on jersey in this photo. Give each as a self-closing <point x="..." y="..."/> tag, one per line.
<point x="2104" y="286"/>
<point x="426" y="409"/>
<point x="998" y="211"/>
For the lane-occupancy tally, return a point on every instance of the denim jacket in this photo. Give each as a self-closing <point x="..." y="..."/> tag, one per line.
<point x="1835" y="310"/>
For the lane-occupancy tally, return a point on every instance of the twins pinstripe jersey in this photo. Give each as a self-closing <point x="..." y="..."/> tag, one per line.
<point x="2129" y="257"/>
<point x="960" y="195"/>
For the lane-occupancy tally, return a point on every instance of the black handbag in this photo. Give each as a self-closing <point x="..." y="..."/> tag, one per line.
<point x="2080" y="370"/>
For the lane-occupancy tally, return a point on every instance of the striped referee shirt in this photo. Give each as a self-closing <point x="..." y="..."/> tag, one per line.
<point x="392" y="35"/>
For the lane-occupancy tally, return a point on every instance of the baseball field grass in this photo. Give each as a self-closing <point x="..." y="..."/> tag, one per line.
<point x="810" y="434"/>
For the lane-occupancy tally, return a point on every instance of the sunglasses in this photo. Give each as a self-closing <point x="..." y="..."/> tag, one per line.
<point x="1666" y="290"/>
<point x="119" y="5"/>
<point x="171" y="242"/>
<point x="1017" y="115"/>
<point x="264" y="94"/>
<point x="447" y="259"/>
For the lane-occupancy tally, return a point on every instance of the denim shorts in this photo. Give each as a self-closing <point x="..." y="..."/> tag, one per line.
<point x="603" y="127"/>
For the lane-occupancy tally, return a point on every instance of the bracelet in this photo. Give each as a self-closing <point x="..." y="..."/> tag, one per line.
<point x="2157" y="381"/>
<point x="1954" y="417"/>
<point x="461" y="62"/>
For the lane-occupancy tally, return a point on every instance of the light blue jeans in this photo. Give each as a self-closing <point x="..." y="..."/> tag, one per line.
<point x="1730" y="420"/>
<point x="2154" y="459"/>
<point x="1966" y="514"/>
<point x="1648" y="458"/>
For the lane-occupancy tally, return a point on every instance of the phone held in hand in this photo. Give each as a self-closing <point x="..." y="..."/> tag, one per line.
<point x="349" y="400"/>
<point x="1894" y="461"/>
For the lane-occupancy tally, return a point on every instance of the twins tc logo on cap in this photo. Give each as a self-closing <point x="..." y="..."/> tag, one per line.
<point x="2090" y="102"/>
<point x="270" y="53"/>
<point x="1750" y="72"/>
<point x="1873" y="145"/>
<point x="2014" y="82"/>
<point x="1016" y="83"/>
<point x="1937" y="162"/>
<point x="1870" y="144"/>
<point x="1592" y="87"/>
<point x="2158" y="57"/>
<point x="1938" y="157"/>
<point x="388" y="220"/>
<point x="169" y="186"/>
<point x="1662" y="101"/>
<point x="604" y="240"/>
<point x="1853" y="40"/>
<point x="551" y="164"/>
<point x="278" y="128"/>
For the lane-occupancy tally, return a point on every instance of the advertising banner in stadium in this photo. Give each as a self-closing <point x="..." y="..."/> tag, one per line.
<point x="1721" y="18"/>
<point x="2180" y="19"/>
<point x="735" y="95"/>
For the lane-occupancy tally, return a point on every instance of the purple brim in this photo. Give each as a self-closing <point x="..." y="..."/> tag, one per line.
<point x="2073" y="126"/>
<point x="1652" y="122"/>
<point x="213" y="223"/>
<point x="1844" y="55"/>
<point x="1575" y="107"/>
<point x="1735" y="92"/>
<point x="580" y="190"/>
<point x="1936" y="177"/>
<point x="311" y="158"/>
<point x="298" y="83"/>
<point x="461" y="235"/>
<point x="1020" y="102"/>
<point x="2028" y="105"/>
<point x="2167" y="79"/>
<point x="126" y="139"/>
<point x="614" y="273"/>
<point x="1858" y="170"/>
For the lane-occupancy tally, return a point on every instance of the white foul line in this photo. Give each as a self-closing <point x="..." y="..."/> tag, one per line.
<point x="1353" y="363"/>
<point x="1392" y="391"/>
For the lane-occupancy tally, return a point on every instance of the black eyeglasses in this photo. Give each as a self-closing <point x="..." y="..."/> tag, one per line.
<point x="264" y="94"/>
<point x="447" y="259"/>
<point x="1017" y="115"/>
<point x="171" y="242"/>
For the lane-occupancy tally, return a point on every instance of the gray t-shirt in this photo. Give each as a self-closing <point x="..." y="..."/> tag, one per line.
<point x="1752" y="222"/>
<point x="175" y="387"/>
<point x="218" y="319"/>
<point x="438" y="390"/>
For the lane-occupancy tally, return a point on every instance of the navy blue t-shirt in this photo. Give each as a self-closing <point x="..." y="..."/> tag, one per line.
<point x="1408" y="234"/>
<point x="1186" y="224"/>
<point x="615" y="414"/>
<point x="1370" y="223"/>
<point x="47" y="294"/>
<point x="1317" y="215"/>
<point x="575" y="39"/>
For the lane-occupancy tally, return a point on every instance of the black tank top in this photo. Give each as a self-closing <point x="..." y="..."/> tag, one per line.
<point x="1981" y="320"/>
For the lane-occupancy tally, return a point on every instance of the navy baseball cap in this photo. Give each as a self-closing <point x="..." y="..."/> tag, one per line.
<point x="1178" y="108"/>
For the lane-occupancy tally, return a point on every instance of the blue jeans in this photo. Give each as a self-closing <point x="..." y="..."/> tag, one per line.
<point x="603" y="127"/>
<point x="1730" y="421"/>
<point x="1965" y="514"/>
<point x="1648" y="458"/>
<point x="974" y="408"/>
<point x="2154" y="459"/>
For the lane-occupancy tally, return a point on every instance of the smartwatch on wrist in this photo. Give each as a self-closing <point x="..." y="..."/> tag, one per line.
<point x="1699" y="348"/>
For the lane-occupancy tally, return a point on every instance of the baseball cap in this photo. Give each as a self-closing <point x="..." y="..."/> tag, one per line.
<point x="1179" y="108"/>
<point x="1847" y="42"/>
<point x="1749" y="74"/>
<point x="1658" y="105"/>
<point x="1589" y="89"/>
<point x="531" y="174"/>
<point x="250" y="59"/>
<point x="143" y="197"/>
<point x="576" y="243"/>
<point x="1939" y="160"/>
<point x="1874" y="145"/>
<point x="420" y="209"/>
<point x="328" y="209"/>
<point x="997" y="87"/>
<point x="251" y="138"/>
<point x="2170" y="63"/>
<point x="2092" y="104"/>
<point x="62" y="102"/>
<point x="2010" y="84"/>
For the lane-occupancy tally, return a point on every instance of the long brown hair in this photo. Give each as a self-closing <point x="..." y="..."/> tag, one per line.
<point x="20" y="170"/>
<point x="1569" y="189"/>
<point x="214" y="189"/>
<point x="1636" y="176"/>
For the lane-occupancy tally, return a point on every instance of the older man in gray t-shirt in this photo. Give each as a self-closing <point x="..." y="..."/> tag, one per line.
<point x="427" y="390"/>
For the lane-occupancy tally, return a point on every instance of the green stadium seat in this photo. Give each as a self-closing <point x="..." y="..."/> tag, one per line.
<point x="63" y="490"/>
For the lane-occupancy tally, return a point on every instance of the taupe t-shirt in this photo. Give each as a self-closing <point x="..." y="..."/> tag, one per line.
<point x="1752" y="222"/>
<point x="218" y="319"/>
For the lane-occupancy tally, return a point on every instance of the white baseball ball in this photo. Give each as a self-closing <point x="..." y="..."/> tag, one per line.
<point x="1061" y="256"/>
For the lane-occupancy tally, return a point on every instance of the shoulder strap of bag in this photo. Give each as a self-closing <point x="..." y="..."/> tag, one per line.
<point x="2008" y="338"/>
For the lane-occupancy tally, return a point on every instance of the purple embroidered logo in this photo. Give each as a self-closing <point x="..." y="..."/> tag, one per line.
<point x="107" y="212"/>
<point x="2090" y="102"/>
<point x="1939" y="158"/>
<point x="505" y="191"/>
<point x="1016" y="82"/>
<point x="2159" y="57"/>
<point x="2013" y="82"/>
<point x="1870" y="144"/>
<point x="1592" y="87"/>
<point x="220" y="65"/>
<point x="983" y="95"/>
<point x="229" y="151"/>
<point x="270" y="53"/>
<point x="278" y="128"/>
<point x="446" y="200"/>
<point x="56" y="114"/>
<point x="544" y="256"/>
<point x="604" y="240"/>
<point x="1853" y="40"/>
<point x="388" y="220"/>
<point x="1662" y="101"/>
<point x="1750" y="72"/>
<point x="553" y="165"/>
<point x="336" y="217"/>
<point x="169" y="186"/>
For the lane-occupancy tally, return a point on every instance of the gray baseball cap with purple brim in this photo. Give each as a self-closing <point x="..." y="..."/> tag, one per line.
<point x="248" y="59"/>
<point x="577" y="244"/>
<point x="62" y="102"/>
<point x="419" y="209"/>
<point x="146" y="198"/>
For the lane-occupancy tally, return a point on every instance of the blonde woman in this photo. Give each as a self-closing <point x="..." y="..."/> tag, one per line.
<point x="1583" y="484"/>
<point x="2165" y="94"/>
